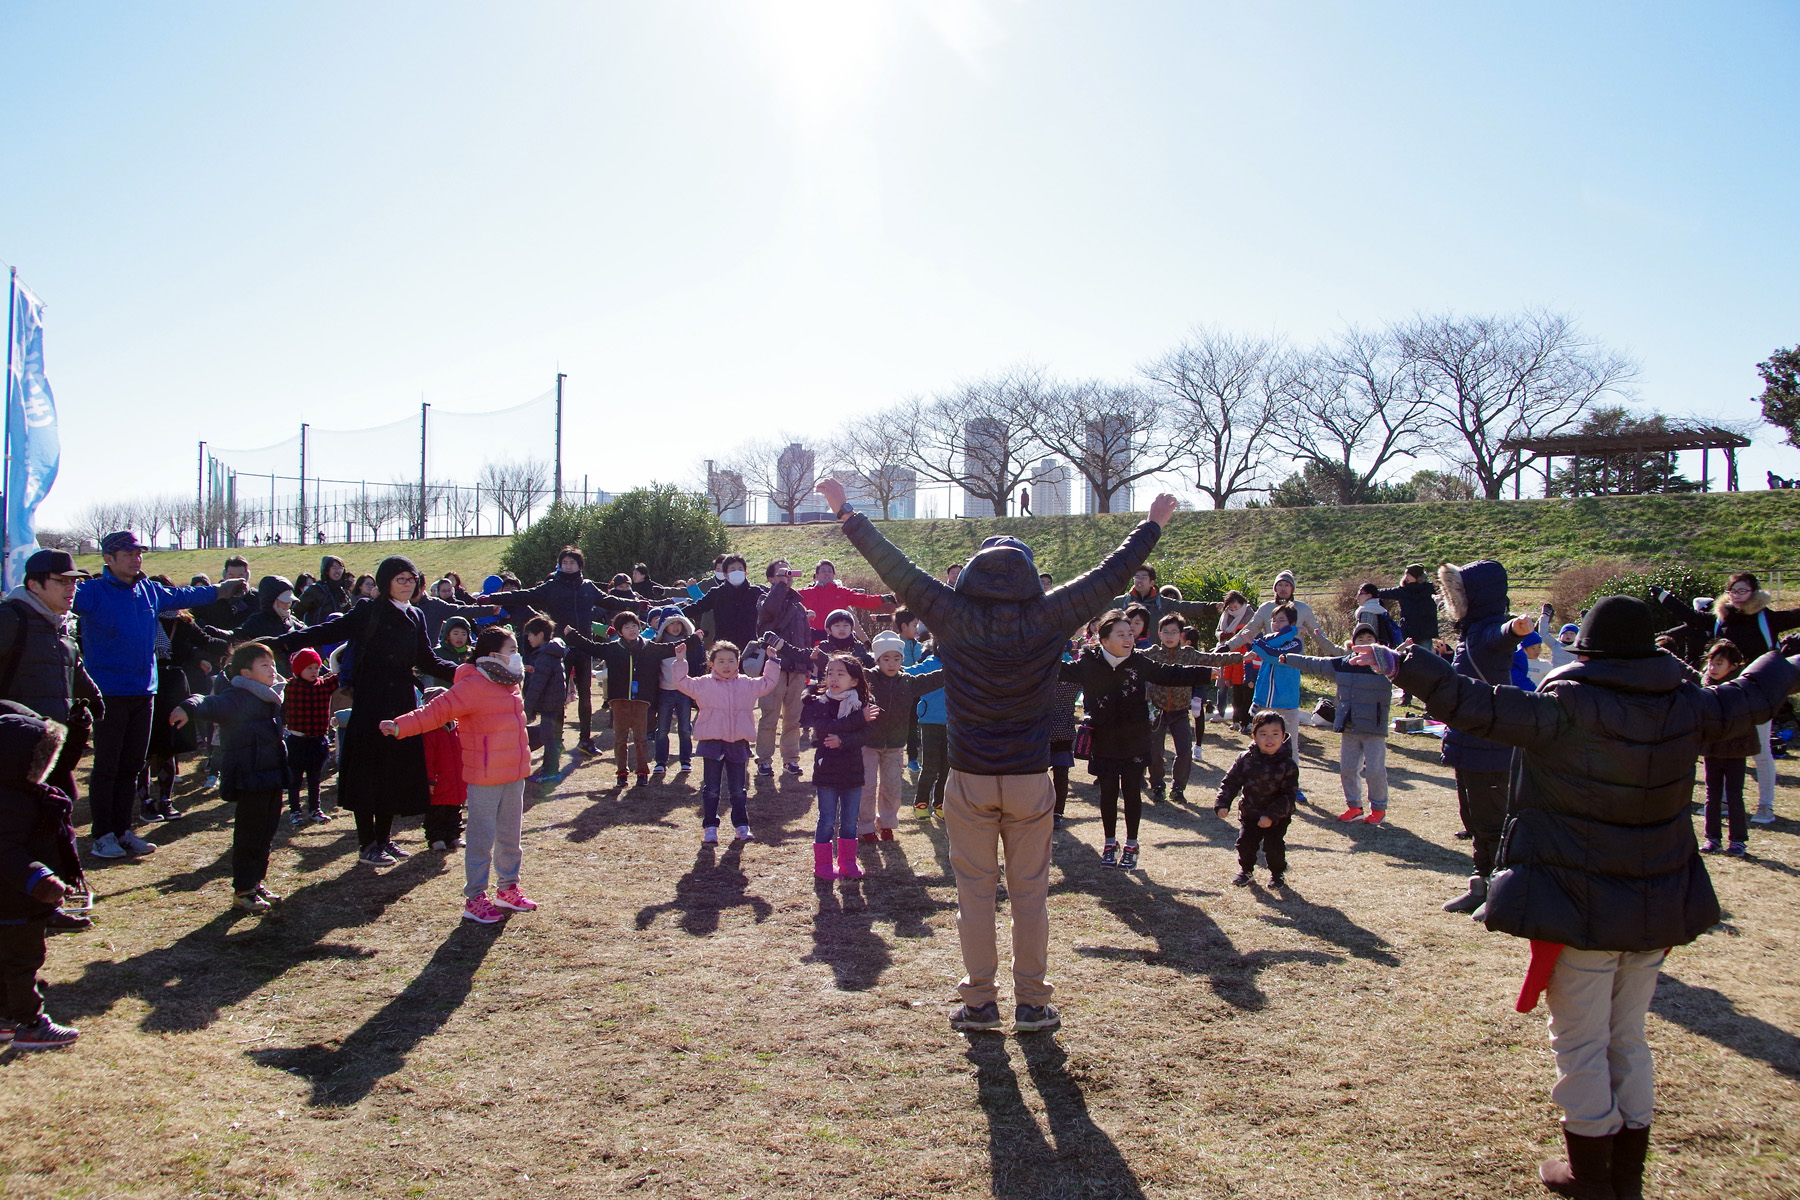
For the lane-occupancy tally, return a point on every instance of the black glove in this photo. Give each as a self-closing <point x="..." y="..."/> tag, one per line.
<point x="231" y="589"/>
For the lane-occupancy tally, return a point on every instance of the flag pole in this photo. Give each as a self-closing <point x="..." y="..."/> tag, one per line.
<point x="12" y="304"/>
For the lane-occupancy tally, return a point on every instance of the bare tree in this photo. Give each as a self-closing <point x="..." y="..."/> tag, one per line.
<point x="460" y="505"/>
<point x="101" y="518"/>
<point x="722" y="482"/>
<point x="972" y="438"/>
<point x="783" y="470"/>
<point x="1112" y="434"/>
<point x="1490" y="379"/>
<point x="1231" y="392"/>
<point x="183" y="516"/>
<point x="370" y="510"/>
<point x="514" y="487"/>
<point x="1358" y="405"/>
<point x="871" y="452"/>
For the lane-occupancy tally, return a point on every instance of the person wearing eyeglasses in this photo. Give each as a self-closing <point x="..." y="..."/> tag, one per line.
<point x="379" y="778"/>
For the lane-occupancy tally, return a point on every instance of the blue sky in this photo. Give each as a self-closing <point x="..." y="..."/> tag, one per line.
<point x="726" y="219"/>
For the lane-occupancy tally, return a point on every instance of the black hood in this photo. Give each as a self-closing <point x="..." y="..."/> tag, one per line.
<point x="268" y="588"/>
<point x="1000" y="573"/>
<point x="29" y="746"/>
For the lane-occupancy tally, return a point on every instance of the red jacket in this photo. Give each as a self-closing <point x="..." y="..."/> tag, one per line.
<point x="821" y="601"/>
<point x="443" y="766"/>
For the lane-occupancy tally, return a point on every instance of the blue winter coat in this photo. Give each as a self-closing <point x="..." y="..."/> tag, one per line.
<point x="1478" y="590"/>
<point x="930" y="706"/>
<point x="118" y="629"/>
<point x="1276" y="686"/>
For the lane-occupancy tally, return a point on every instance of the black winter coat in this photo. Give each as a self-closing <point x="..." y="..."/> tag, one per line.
<point x="252" y="740"/>
<point x="733" y="608"/>
<point x="46" y="672"/>
<point x="1269" y="784"/>
<point x="895" y="696"/>
<point x="568" y="599"/>
<point x="633" y="669"/>
<point x="1117" y="700"/>
<point x="1598" y="850"/>
<point x="1742" y="626"/>
<point x="841" y="767"/>
<point x="1418" y="608"/>
<point x="379" y="775"/>
<point x="35" y="830"/>
<point x="179" y="676"/>
<point x="1477" y="597"/>
<point x="1001" y="639"/>
<point x="547" y="677"/>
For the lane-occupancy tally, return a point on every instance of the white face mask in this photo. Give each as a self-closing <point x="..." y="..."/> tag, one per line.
<point x="718" y="574"/>
<point x="514" y="663"/>
<point x="735" y="578"/>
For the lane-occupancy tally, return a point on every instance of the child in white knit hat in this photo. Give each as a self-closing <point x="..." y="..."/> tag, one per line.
<point x="884" y="752"/>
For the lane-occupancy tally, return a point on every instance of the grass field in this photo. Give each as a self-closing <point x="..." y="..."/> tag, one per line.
<point x="1757" y="530"/>
<point x="683" y="1024"/>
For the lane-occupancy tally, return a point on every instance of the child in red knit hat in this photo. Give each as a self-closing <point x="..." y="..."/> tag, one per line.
<point x="306" y="715"/>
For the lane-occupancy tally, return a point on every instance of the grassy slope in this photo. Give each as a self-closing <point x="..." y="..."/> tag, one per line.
<point x="1533" y="537"/>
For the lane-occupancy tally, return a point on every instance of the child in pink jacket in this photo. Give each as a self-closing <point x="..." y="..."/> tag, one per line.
<point x="489" y="711"/>
<point x="723" y="730"/>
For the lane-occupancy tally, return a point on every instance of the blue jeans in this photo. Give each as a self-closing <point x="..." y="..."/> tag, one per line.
<point x="674" y="707"/>
<point x="839" y="810"/>
<point x="736" y="775"/>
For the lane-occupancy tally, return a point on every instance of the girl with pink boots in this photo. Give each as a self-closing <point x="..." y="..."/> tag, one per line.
<point x="489" y="711"/>
<point x="838" y="711"/>
<point x="724" y="728"/>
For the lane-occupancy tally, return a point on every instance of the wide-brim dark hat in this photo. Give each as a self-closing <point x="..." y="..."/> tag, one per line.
<point x="1618" y="627"/>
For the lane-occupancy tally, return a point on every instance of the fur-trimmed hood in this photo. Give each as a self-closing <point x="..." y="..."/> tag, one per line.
<point x="1473" y="590"/>
<point x="29" y="746"/>
<point x="1755" y="604"/>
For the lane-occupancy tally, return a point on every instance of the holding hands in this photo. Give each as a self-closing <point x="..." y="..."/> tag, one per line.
<point x="390" y="729"/>
<point x="178" y="717"/>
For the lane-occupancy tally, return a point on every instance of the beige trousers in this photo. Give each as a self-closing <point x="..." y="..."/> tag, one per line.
<point x="881" y="788"/>
<point x="782" y="704"/>
<point x="982" y="813"/>
<point x="1597" y="1001"/>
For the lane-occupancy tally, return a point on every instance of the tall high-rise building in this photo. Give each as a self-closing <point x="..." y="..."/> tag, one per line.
<point x="984" y="457"/>
<point x="794" y="479"/>
<point x="1050" y="488"/>
<point x="727" y="487"/>
<point x="899" y="484"/>
<point x="1109" y="438"/>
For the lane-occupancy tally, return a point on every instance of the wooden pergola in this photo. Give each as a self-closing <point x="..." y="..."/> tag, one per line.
<point x="1667" y="443"/>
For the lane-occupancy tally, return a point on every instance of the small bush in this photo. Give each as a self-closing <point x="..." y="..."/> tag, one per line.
<point x="532" y="553"/>
<point x="1684" y="581"/>
<point x="673" y="532"/>
<point x="1206" y="581"/>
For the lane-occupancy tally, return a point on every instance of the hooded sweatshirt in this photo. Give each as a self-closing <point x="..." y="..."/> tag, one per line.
<point x="1475" y="595"/>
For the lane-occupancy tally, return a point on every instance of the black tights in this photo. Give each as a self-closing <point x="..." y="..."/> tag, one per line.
<point x="1116" y="776"/>
<point x="1060" y="776"/>
<point x="373" y="828"/>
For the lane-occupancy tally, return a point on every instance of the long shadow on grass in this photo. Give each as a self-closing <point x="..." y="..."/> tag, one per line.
<point x="1187" y="939"/>
<point x="1714" y="1015"/>
<point x="187" y="983"/>
<point x="713" y="885"/>
<point x="1327" y="924"/>
<point x="1411" y="852"/>
<point x="343" y="1074"/>
<point x="844" y="936"/>
<point x="1077" y="1159"/>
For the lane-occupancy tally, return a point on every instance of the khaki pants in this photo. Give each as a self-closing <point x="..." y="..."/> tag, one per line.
<point x="981" y="813"/>
<point x="1597" y="1000"/>
<point x="881" y="788"/>
<point x="782" y="704"/>
<point x="631" y="723"/>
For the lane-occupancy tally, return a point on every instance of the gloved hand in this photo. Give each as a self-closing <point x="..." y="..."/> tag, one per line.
<point x="231" y="589"/>
<point x="1381" y="658"/>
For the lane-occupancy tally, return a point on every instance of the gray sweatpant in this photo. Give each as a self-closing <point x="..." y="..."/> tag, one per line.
<point x="1364" y="756"/>
<point x="496" y="815"/>
<point x="1597" y="1000"/>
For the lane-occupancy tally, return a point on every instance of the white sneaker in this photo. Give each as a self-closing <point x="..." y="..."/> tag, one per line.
<point x="1764" y="816"/>
<point x="710" y="834"/>
<point x="134" y="844"/>
<point x="744" y="834"/>
<point x="107" y="846"/>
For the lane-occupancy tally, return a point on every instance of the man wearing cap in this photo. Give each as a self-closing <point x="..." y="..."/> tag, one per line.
<point x="118" y="614"/>
<point x="40" y="662"/>
<point x="1000" y="637"/>
<point x="1599" y="868"/>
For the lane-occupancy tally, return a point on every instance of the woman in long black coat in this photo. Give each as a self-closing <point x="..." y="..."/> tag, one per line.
<point x="380" y="778"/>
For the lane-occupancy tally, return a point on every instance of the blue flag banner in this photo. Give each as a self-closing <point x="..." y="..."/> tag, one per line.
<point x="34" y="448"/>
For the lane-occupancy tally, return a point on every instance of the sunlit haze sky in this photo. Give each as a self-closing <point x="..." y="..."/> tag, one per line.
<point x="727" y="219"/>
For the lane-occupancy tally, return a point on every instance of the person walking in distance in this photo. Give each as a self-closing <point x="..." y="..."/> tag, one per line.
<point x="1001" y="639"/>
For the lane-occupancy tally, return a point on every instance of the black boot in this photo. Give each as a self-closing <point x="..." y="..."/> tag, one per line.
<point x="1586" y="1174"/>
<point x="1629" y="1148"/>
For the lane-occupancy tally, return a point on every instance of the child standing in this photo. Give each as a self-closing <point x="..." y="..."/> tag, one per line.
<point x="1169" y="708"/>
<point x="934" y="736"/>
<point x="1233" y="686"/>
<point x="306" y="713"/>
<point x="673" y="708"/>
<point x="838" y="711"/>
<point x="38" y="867"/>
<point x="453" y="641"/>
<point x="1363" y="699"/>
<point x="443" y="768"/>
<point x="1277" y="687"/>
<point x="546" y="695"/>
<point x="895" y="692"/>
<point x="486" y="703"/>
<point x="1725" y="761"/>
<point x="1268" y="779"/>
<point x="724" y="728"/>
<point x="253" y="765"/>
<point x="633" y="682"/>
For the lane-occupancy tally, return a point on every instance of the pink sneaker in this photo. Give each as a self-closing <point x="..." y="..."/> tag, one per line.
<point x="511" y="897"/>
<point x="482" y="909"/>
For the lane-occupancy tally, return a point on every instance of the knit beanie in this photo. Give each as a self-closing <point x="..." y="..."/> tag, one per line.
<point x="840" y="614"/>
<point x="302" y="659"/>
<point x="1289" y="577"/>
<point x="1618" y="627"/>
<point x="887" y="640"/>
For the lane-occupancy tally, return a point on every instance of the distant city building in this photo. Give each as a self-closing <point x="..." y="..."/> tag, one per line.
<point x="1050" y="489"/>
<point x="1109" y="437"/>
<point x="984" y="450"/>
<point x="862" y="493"/>
<point x="794" y="474"/>
<point x="724" y="486"/>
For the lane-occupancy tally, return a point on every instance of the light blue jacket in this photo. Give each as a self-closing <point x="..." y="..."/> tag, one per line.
<point x="930" y="706"/>
<point x="1277" y="686"/>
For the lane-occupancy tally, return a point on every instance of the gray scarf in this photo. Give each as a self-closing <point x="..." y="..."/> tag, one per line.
<point x="261" y="691"/>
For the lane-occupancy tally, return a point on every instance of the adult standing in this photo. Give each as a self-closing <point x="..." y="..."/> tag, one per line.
<point x="1001" y="638"/>
<point x="782" y="614"/>
<point x="1145" y="591"/>
<point x="328" y="596"/>
<point x="825" y="595"/>
<point x="1417" y="598"/>
<point x="40" y="663"/>
<point x="568" y="598"/>
<point x="1259" y="622"/>
<point x="732" y="603"/>
<point x="231" y="611"/>
<point x="379" y="778"/>
<point x="119" y="612"/>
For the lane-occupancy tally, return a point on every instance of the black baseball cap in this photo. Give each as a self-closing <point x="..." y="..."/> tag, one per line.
<point x="55" y="562"/>
<point x="114" y="543"/>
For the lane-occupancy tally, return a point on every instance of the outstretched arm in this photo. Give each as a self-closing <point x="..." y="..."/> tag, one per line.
<point x="1081" y="598"/>
<point x="1503" y="714"/>
<point x="915" y="587"/>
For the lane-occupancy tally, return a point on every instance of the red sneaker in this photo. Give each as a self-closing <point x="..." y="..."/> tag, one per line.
<point x="482" y="911"/>
<point x="514" y="898"/>
<point x="886" y="835"/>
<point x="1351" y="814"/>
<point x="1376" y="816"/>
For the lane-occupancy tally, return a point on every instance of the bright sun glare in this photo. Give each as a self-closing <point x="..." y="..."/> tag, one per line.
<point x="824" y="53"/>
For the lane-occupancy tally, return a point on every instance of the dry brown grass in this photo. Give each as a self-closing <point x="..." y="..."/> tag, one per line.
<point x="674" y="1024"/>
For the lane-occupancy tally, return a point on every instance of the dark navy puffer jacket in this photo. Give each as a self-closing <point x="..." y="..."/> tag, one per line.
<point x="840" y="766"/>
<point x="252" y="742"/>
<point x="1598" y="850"/>
<point x="1001" y="639"/>
<point x="1476" y="597"/>
<point x="36" y="840"/>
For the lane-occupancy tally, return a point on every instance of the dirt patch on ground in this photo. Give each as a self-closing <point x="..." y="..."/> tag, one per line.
<point x="683" y="1022"/>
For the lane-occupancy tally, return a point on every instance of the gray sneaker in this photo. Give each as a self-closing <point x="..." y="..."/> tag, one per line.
<point x="107" y="846"/>
<point x="981" y="1017"/>
<point x="134" y="844"/>
<point x="1036" y="1018"/>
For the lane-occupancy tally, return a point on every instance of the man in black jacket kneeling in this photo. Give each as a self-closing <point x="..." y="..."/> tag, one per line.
<point x="1598" y="866"/>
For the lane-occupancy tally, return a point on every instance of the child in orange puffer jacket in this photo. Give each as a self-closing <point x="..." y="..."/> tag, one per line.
<point x="485" y="702"/>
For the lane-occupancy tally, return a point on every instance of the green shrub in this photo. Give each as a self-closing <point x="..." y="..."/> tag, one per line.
<point x="1207" y="581"/>
<point x="1685" y="582"/>
<point x="532" y="553"/>
<point x="673" y="532"/>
